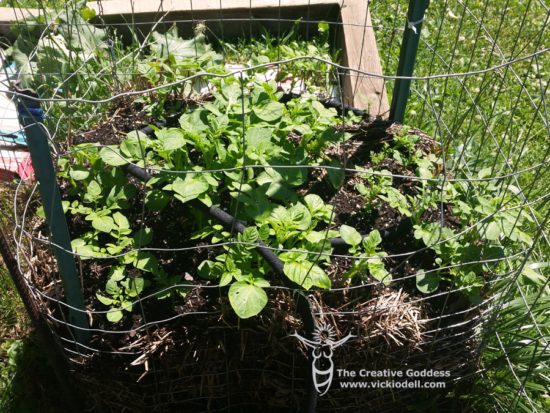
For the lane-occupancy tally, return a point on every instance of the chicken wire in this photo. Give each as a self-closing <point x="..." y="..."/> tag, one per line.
<point x="482" y="100"/>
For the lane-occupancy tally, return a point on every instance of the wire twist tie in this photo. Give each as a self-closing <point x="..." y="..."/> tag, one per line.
<point x="412" y="25"/>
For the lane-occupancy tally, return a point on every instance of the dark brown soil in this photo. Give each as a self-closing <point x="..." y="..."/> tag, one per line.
<point x="116" y="127"/>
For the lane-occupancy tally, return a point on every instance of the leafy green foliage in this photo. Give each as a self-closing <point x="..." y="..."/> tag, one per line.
<point x="122" y="290"/>
<point x="369" y="259"/>
<point x="376" y="185"/>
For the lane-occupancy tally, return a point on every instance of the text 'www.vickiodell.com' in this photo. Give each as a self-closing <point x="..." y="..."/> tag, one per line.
<point x="390" y="384"/>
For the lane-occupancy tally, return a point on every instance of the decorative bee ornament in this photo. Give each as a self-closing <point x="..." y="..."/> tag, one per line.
<point x="322" y="344"/>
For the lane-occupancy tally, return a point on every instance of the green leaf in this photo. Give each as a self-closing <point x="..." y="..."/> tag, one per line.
<point x="427" y="232"/>
<point x="114" y="316"/>
<point x="129" y="150"/>
<point x="314" y="203"/>
<point x="118" y="194"/>
<point x="231" y="92"/>
<point x="104" y="300"/>
<point x="269" y="110"/>
<point x="212" y="108"/>
<point x="40" y="212"/>
<point x="493" y="253"/>
<point x="145" y="235"/>
<point x="137" y="136"/>
<point x="79" y="173"/>
<point x="89" y="251"/>
<point x="121" y="220"/>
<point x="220" y="123"/>
<point x="490" y="230"/>
<point x="336" y="176"/>
<point x="315" y="237"/>
<point x="156" y="200"/>
<point x="103" y="223"/>
<point x="372" y="240"/>
<point x="306" y="274"/>
<point x="279" y="216"/>
<point x="300" y="217"/>
<point x="475" y="299"/>
<point x="427" y="283"/>
<point x="87" y="13"/>
<point x="112" y="287"/>
<point x="530" y="276"/>
<point x="227" y="277"/>
<point x="210" y="270"/>
<point x="111" y="156"/>
<point x="319" y="278"/>
<point x="246" y="299"/>
<point x="323" y="26"/>
<point x="264" y="232"/>
<point x="117" y="273"/>
<point x="94" y="190"/>
<point x="174" y="139"/>
<point x="250" y="235"/>
<point x="399" y="157"/>
<point x="135" y="286"/>
<point x="255" y="136"/>
<point x="350" y="235"/>
<point x="378" y="271"/>
<point x="363" y="190"/>
<point x="484" y="173"/>
<point x="189" y="189"/>
<point x="146" y="261"/>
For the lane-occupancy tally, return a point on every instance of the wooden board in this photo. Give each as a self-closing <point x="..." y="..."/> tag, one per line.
<point x="147" y="12"/>
<point x="153" y="6"/>
<point x="8" y="14"/>
<point x="223" y="18"/>
<point x="360" y="52"/>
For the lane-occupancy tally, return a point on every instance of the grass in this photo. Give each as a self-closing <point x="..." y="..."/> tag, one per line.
<point x="27" y="381"/>
<point x="462" y="40"/>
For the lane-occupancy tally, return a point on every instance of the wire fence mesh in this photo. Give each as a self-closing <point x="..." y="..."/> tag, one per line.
<point x="193" y="173"/>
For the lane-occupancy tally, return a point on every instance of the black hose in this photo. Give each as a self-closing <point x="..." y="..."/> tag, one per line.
<point x="401" y="228"/>
<point x="327" y="103"/>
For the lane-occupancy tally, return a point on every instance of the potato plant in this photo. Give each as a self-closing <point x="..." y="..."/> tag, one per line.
<point x="235" y="152"/>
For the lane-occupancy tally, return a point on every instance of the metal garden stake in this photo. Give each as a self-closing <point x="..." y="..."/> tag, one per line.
<point x="407" y="57"/>
<point x="30" y="117"/>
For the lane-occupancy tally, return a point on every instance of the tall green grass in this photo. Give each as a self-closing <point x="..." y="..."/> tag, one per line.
<point x="492" y="114"/>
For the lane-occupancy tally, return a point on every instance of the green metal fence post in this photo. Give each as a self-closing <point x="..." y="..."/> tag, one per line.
<point x="407" y="57"/>
<point x="30" y="117"/>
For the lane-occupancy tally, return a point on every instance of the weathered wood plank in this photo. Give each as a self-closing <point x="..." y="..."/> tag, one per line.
<point x="150" y="11"/>
<point x="147" y="12"/>
<point x="360" y="52"/>
<point x="8" y="14"/>
<point x="152" y="6"/>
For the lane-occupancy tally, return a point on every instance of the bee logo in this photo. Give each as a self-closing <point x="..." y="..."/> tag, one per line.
<point x="322" y="344"/>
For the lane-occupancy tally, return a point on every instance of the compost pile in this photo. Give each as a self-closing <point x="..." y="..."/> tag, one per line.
<point x="175" y="335"/>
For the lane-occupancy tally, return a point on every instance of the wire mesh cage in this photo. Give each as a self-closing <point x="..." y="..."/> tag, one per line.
<point x="305" y="205"/>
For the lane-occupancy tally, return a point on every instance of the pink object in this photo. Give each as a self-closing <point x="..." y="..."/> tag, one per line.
<point x="15" y="162"/>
